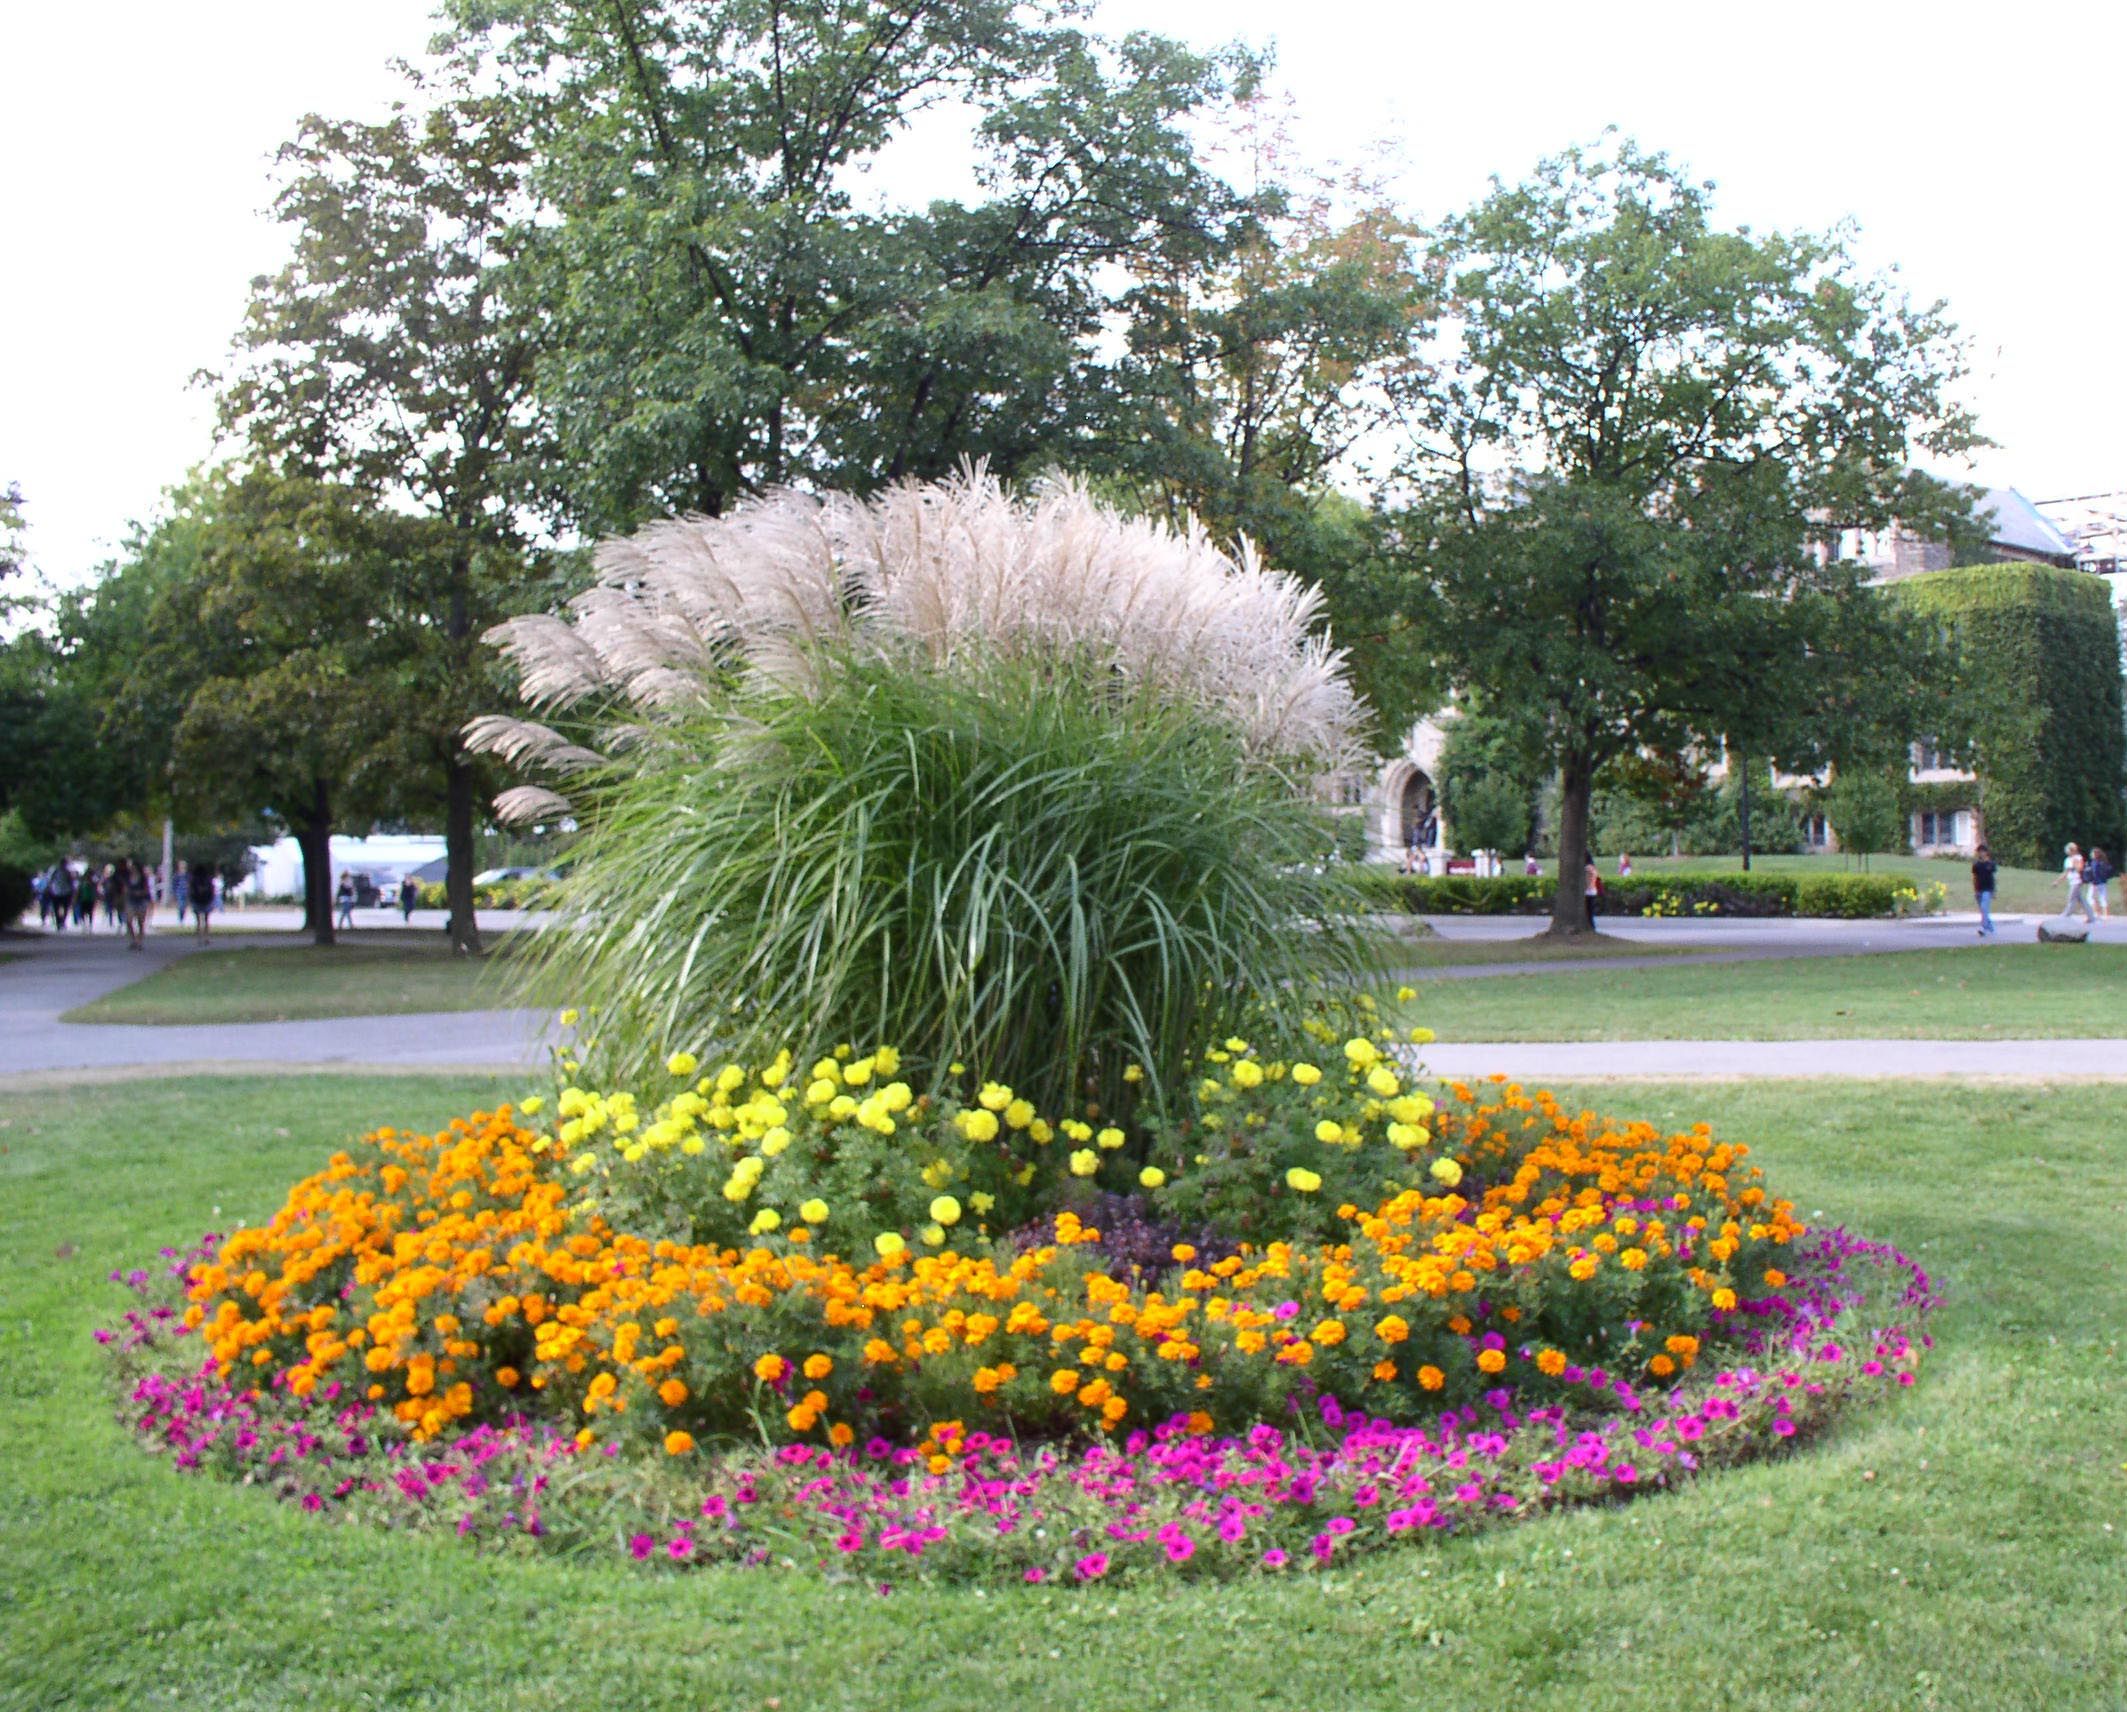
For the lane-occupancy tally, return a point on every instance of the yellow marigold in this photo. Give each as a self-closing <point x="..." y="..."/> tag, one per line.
<point x="1328" y="1332"/>
<point x="978" y="1125"/>
<point x="1724" y="1299"/>
<point x="1151" y="1177"/>
<point x="1084" y="1162"/>
<point x="1248" y="1074"/>
<point x="507" y="1378"/>
<point x="1306" y="1075"/>
<point x="1551" y="1362"/>
<point x="1384" y="1370"/>
<point x="1392" y="1329"/>
<point x="770" y="1368"/>
<point x="1064" y="1381"/>
<point x="1491" y="1361"/>
<point x="818" y="1366"/>
<point x="1633" y="1259"/>
<point x="945" y="1210"/>
<point x="1360" y="1051"/>
<point x="1446" y="1172"/>
<point x="1109" y="1138"/>
<point x="672" y="1393"/>
<point x="683" y="1064"/>
<point x="888" y="1244"/>
<point x="1303" y="1180"/>
<point x="813" y="1212"/>
<point x="678" y="1443"/>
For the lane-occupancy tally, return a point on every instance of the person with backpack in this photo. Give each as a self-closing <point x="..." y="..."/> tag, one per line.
<point x="59" y="889"/>
<point x="1983" y="889"/>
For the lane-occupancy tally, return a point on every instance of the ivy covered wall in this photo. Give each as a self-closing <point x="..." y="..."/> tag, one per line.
<point x="2038" y="679"/>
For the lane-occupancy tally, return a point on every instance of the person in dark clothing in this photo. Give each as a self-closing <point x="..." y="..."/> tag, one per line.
<point x="1983" y="889"/>
<point x="1591" y="889"/>
<point x="139" y="899"/>
<point x="85" y="901"/>
<point x="346" y="897"/>
<point x="59" y="887"/>
<point x="2097" y="881"/>
<point x="409" y="895"/>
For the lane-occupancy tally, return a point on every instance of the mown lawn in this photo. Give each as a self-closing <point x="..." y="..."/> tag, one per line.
<point x="1963" y="1547"/>
<point x="1984" y="992"/>
<point x="380" y="972"/>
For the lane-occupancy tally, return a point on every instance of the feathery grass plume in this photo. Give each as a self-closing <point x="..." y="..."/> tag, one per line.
<point x="1021" y="784"/>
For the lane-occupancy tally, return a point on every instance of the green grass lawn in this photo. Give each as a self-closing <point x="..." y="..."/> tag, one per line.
<point x="381" y="972"/>
<point x="2020" y="891"/>
<point x="1984" y="992"/>
<point x="1964" y="1546"/>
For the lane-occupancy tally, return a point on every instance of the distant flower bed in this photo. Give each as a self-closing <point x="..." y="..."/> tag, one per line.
<point x="806" y="1315"/>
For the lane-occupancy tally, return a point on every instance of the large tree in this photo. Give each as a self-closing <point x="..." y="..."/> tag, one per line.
<point x="386" y="355"/>
<point x="264" y="669"/>
<point x="1641" y="435"/>
<point x="732" y="307"/>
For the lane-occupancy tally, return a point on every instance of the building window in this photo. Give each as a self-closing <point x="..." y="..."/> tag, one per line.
<point x="1930" y="756"/>
<point x="1939" y="828"/>
<point x="1816" y="833"/>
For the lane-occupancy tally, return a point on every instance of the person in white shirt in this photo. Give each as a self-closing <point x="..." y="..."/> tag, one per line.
<point x="2072" y="878"/>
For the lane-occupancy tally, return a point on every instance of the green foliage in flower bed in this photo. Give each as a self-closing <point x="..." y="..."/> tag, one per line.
<point x="1678" y="892"/>
<point x="2038" y="677"/>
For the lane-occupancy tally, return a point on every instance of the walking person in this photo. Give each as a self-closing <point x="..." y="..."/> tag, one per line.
<point x="202" y="898"/>
<point x="2072" y="877"/>
<point x="2097" y="880"/>
<point x="345" y="898"/>
<point x="85" y="899"/>
<point x="1591" y="890"/>
<point x="59" y="888"/>
<point x="1624" y="865"/>
<point x="114" y="893"/>
<point x="409" y="895"/>
<point x="1983" y="889"/>
<point x="139" y="902"/>
<point x="180" y="882"/>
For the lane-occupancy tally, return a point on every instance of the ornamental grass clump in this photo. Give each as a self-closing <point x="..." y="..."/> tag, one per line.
<point x="1016" y="782"/>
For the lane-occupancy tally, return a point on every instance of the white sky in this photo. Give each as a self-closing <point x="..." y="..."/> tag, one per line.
<point x="1978" y="153"/>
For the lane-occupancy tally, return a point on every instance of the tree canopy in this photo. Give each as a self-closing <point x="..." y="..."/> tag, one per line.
<point x="1640" y="435"/>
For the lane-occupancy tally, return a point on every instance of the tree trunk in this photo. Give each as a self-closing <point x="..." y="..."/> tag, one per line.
<point x="313" y="834"/>
<point x="458" y="855"/>
<point x="1569" y="909"/>
<point x="1744" y="809"/>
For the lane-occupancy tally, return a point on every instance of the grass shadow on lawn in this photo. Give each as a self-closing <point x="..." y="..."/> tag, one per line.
<point x="1950" y="1549"/>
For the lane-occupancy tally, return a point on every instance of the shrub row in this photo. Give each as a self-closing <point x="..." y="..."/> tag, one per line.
<point x="15" y="893"/>
<point x="1849" y="896"/>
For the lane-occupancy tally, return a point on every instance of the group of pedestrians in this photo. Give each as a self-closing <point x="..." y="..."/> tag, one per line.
<point x="2089" y="882"/>
<point x="2088" y="879"/>
<point x="127" y="891"/>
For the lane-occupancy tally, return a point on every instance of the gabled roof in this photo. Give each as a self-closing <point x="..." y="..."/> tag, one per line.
<point x="2013" y="521"/>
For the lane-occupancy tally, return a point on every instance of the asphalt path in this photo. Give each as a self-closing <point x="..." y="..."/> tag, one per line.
<point x="43" y="975"/>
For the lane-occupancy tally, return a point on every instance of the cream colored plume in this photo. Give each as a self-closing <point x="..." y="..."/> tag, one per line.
<point x="945" y="571"/>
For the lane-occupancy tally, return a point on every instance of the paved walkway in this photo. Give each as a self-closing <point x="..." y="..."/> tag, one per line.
<point x="47" y="974"/>
<point x="43" y="975"/>
<point x="1693" y="1060"/>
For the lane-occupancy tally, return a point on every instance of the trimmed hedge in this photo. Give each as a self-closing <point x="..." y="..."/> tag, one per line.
<point x="1845" y="896"/>
<point x="2039" y="673"/>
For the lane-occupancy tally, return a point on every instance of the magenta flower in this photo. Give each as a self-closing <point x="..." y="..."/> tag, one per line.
<point x="1275" y="1559"/>
<point x="1092" y="1566"/>
<point x="641" y="1546"/>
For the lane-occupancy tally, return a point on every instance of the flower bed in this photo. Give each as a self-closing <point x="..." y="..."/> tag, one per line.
<point x="454" y="1330"/>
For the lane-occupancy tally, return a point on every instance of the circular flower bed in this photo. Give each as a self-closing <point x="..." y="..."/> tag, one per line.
<point x="810" y="1317"/>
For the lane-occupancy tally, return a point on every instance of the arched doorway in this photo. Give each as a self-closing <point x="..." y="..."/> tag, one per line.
<point x="1417" y="814"/>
